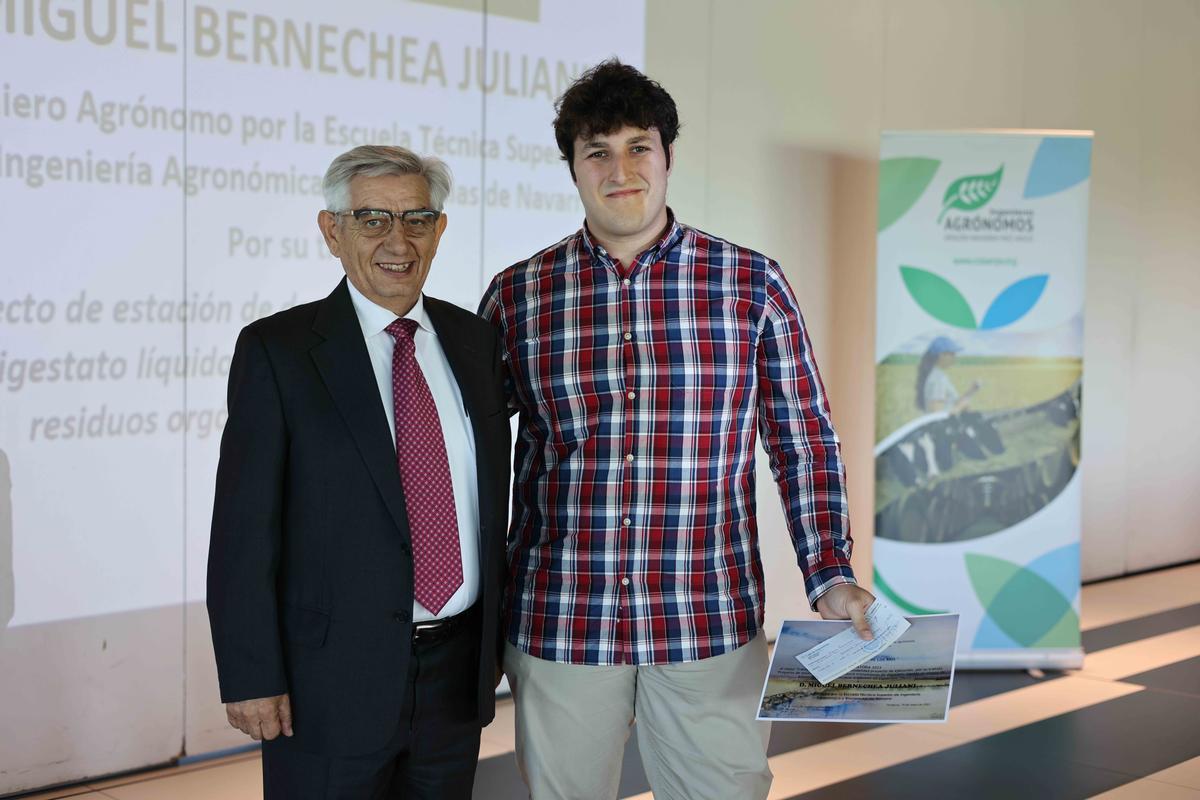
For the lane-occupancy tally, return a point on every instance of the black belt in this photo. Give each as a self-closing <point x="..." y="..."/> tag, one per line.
<point x="435" y="630"/>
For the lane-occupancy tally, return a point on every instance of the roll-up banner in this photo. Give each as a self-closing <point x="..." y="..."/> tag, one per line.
<point x="979" y="343"/>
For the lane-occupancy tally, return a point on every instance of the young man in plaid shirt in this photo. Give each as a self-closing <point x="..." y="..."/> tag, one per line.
<point x="644" y="357"/>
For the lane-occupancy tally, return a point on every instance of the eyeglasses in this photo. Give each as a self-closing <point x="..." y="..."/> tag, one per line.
<point x="376" y="223"/>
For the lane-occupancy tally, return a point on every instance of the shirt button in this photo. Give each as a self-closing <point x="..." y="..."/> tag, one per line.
<point x="627" y="522"/>
<point x="629" y="457"/>
<point x="631" y="395"/>
<point x="624" y="581"/>
<point x="628" y="336"/>
<point x="626" y="281"/>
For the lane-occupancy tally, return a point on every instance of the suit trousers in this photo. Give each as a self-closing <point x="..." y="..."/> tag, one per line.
<point x="433" y="753"/>
<point x="696" y="729"/>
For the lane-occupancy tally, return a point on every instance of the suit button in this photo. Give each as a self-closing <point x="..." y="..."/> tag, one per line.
<point x="405" y="549"/>
<point x="400" y="616"/>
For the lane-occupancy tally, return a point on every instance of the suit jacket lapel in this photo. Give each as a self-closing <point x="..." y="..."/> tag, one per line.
<point x="469" y="365"/>
<point x="345" y="367"/>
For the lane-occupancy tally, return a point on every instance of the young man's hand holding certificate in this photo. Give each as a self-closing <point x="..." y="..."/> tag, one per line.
<point x="844" y="651"/>
<point x="821" y="670"/>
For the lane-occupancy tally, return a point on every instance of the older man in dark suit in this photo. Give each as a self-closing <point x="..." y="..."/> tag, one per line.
<point x="357" y="548"/>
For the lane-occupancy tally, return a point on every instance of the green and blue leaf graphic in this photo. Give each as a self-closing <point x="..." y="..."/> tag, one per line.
<point x="971" y="192"/>
<point x="938" y="297"/>
<point x="1014" y="302"/>
<point x="1060" y="163"/>
<point x="941" y="300"/>
<point x="1022" y="606"/>
<point x="902" y="181"/>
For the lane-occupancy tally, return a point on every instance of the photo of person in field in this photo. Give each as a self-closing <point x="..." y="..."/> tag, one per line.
<point x="975" y="431"/>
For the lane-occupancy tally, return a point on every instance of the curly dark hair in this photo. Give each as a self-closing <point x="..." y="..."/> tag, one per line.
<point x="605" y="99"/>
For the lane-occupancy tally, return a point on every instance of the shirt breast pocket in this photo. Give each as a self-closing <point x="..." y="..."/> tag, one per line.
<point x="560" y="384"/>
<point x="542" y="367"/>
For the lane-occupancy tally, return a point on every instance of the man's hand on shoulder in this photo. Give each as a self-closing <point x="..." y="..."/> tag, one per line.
<point x="848" y="601"/>
<point x="262" y="718"/>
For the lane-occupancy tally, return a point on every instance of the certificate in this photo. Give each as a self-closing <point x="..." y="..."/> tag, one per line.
<point x="908" y="681"/>
<point x="845" y="650"/>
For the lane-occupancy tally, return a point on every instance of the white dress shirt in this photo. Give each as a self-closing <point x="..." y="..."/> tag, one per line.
<point x="456" y="429"/>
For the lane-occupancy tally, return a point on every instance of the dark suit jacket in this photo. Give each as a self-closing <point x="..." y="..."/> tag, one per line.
<point x="310" y="563"/>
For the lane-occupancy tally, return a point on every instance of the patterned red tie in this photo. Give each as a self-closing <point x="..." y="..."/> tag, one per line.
<point x="425" y="473"/>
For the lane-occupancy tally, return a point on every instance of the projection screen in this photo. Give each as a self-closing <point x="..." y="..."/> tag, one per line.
<point x="160" y="168"/>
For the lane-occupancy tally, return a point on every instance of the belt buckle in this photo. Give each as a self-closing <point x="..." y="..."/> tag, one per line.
<point x="431" y="629"/>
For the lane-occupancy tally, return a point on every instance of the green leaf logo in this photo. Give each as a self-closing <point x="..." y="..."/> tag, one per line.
<point x="971" y="192"/>
<point x="938" y="297"/>
<point x="902" y="181"/>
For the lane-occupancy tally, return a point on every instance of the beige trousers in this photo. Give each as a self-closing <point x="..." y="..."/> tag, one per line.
<point x="695" y="724"/>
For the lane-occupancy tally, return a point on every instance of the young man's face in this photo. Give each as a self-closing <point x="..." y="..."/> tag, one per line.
<point x="622" y="182"/>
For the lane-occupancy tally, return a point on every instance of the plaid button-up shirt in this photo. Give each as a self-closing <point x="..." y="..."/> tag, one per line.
<point x="640" y="389"/>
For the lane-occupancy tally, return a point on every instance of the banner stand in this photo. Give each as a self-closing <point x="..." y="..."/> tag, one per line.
<point x="979" y="363"/>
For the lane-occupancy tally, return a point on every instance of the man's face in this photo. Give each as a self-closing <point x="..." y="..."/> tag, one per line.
<point x="389" y="270"/>
<point x="622" y="182"/>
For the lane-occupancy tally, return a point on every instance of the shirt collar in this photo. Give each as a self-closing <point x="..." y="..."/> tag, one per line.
<point x="373" y="318"/>
<point x="670" y="238"/>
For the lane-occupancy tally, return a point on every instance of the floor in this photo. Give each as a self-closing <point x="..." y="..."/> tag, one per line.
<point x="1126" y="727"/>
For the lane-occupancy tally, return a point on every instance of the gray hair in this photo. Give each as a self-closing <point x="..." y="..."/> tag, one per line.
<point x="373" y="161"/>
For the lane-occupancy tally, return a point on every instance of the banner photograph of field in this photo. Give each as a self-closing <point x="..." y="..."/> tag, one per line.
<point x="996" y="440"/>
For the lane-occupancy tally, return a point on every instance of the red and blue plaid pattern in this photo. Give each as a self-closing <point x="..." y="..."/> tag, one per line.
<point x="639" y="389"/>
